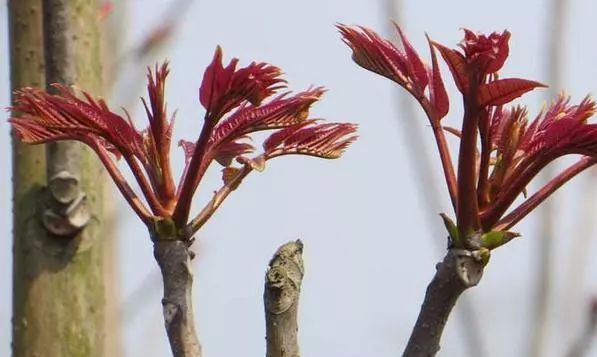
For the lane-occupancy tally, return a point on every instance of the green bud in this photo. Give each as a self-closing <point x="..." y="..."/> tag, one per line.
<point x="494" y="239"/>
<point x="165" y="229"/>
<point x="452" y="231"/>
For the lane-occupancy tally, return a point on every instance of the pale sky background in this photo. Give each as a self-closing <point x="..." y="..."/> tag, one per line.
<point x="369" y="251"/>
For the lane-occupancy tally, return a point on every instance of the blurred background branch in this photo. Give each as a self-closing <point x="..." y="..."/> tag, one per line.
<point x="543" y="254"/>
<point x="588" y="334"/>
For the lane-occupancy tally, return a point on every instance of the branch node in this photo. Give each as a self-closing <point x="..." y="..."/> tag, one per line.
<point x="460" y="270"/>
<point x="170" y="310"/>
<point x="68" y="210"/>
<point x="64" y="187"/>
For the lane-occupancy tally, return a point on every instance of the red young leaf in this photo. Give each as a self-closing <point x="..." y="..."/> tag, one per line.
<point x="224" y="88"/>
<point x="510" y="126"/>
<point x="374" y="53"/>
<point x="232" y="149"/>
<point x="158" y="137"/>
<point x="256" y="82"/>
<point x="278" y="113"/>
<point x="486" y="54"/>
<point x="188" y="148"/>
<point x="496" y="121"/>
<point x="160" y="126"/>
<point x="457" y="65"/>
<point x="437" y="91"/>
<point x="585" y="140"/>
<point x="216" y="79"/>
<point x="415" y="65"/>
<point x="278" y="137"/>
<point x="283" y="111"/>
<point x="561" y="129"/>
<point x="327" y="140"/>
<point x="503" y="91"/>
<point x="45" y="117"/>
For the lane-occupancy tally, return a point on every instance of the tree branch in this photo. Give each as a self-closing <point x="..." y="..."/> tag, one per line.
<point x="544" y="192"/>
<point x="428" y="189"/>
<point x="282" y="289"/>
<point x="63" y="161"/>
<point x="173" y="257"/>
<point x="460" y="270"/>
<point x="213" y="204"/>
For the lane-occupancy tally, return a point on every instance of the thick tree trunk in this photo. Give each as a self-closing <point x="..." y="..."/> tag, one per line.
<point x="58" y="301"/>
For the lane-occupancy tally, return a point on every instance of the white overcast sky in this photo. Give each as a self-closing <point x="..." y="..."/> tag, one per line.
<point x="369" y="250"/>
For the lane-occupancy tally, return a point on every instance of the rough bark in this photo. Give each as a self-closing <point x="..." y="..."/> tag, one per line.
<point x="58" y="291"/>
<point x="458" y="271"/>
<point x="174" y="259"/>
<point x="281" y="297"/>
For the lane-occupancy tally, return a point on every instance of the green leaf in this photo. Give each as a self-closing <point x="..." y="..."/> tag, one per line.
<point x="452" y="231"/>
<point x="494" y="239"/>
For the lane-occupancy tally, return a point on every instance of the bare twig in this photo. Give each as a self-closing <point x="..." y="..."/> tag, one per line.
<point x="281" y="296"/>
<point x="173" y="257"/>
<point x="541" y="298"/>
<point x="458" y="271"/>
<point x="158" y="37"/>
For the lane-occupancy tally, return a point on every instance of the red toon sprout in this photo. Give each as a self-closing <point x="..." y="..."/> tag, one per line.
<point x="512" y="150"/>
<point x="238" y="102"/>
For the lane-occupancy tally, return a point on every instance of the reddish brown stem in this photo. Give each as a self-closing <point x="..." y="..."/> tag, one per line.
<point x="483" y="186"/>
<point x="167" y="178"/>
<point x="468" y="210"/>
<point x="536" y="199"/>
<point x="146" y="188"/>
<point x="160" y="135"/>
<point x="515" y="184"/>
<point x="443" y="149"/>
<point x="193" y="173"/>
<point x="446" y="159"/>
<point x="124" y="188"/>
<point x="215" y="202"/>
